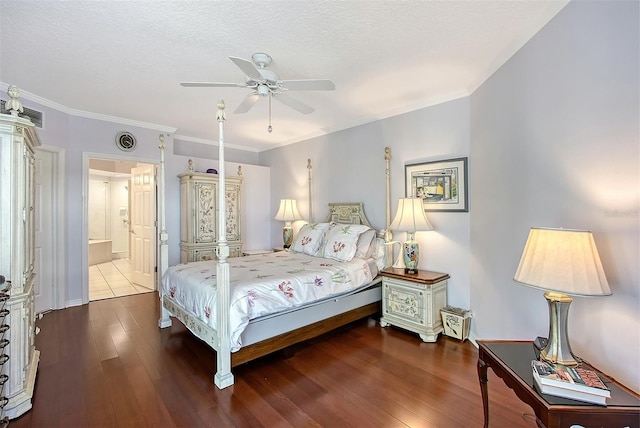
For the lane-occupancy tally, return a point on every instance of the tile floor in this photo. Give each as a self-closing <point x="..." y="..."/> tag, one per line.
<point x="113" y="279"/>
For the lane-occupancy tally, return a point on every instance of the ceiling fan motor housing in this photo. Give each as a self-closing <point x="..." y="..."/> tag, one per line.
<point x="269" y="76"/>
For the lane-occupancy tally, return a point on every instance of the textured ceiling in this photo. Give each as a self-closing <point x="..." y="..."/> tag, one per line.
<point x="126" y="59"/>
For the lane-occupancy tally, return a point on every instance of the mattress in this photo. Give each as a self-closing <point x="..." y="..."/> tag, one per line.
<point x="264" y="284"/>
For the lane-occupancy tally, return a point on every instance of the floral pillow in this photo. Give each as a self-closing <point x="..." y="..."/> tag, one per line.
<point x="310" y="238"/>
<point x="341" y="241"/>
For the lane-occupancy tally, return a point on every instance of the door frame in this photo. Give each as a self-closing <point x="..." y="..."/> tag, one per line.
<point x="86" y="156"/>
<point x="58" y="226"/>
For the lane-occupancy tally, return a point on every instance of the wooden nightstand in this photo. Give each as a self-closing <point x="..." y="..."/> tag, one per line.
<point x="413" y="301"/>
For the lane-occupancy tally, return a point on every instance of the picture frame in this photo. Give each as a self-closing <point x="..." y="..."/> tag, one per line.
<point x="442" y="184"/>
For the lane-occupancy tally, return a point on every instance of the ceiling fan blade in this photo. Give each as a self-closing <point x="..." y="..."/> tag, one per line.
<point x="293" y="103"/>
<point x="247" y="103"/>
<point x="308" y="85"/>
<point x="248" y="68"/>
<point x="212" y="84"/>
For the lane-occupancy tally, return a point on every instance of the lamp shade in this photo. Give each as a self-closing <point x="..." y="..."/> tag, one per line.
<point x="288" y="211"/>
<point x="410" y="216"/>
<point x="562" y="260"/>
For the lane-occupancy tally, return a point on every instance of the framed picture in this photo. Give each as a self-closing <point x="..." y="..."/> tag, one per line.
<point x="442" y="185"/>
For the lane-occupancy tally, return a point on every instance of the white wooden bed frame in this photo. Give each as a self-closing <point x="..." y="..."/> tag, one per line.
<point x="268" y="334"/>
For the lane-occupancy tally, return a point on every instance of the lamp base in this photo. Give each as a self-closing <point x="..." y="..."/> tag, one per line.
<point x="411" y="254"/>
<point x="287" y="236"/>
<point x="558" y="349"/>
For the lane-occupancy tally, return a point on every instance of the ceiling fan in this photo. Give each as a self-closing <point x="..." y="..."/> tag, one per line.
<point x="266" y="83"/>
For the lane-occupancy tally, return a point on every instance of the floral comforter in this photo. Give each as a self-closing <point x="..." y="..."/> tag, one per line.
<point x="263" y="284"/>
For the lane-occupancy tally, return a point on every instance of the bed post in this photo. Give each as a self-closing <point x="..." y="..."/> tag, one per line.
<point x="165" y="319"/>
<point x="388" y="236"/>
<point x="310" y="196"/>
<point x="223" y="376"/>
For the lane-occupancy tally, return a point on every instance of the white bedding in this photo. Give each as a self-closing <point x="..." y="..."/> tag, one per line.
<point x="263" y="284"/>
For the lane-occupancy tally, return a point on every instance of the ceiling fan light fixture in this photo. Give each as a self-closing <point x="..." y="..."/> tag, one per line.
<point x="263" y="90"/>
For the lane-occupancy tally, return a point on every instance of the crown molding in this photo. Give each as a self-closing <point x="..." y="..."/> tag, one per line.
<point x="213" y="143"/>
<point x="89" y="115"/>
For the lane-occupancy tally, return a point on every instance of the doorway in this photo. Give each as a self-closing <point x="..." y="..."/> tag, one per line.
<point x="49" y="228"/>
<point x="121" y="218"/>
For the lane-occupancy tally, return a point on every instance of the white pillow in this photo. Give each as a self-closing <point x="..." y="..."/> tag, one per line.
<point x="310" y="238"/>
<point x="378" y="252"/>
<point x="364" y="246"/>
<point x="341" y="241"/>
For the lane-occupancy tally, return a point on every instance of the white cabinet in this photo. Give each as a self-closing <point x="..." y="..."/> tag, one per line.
<point x="413" y="301"/>
<point x="199" y="216"/>
<point x="17" y="219"/>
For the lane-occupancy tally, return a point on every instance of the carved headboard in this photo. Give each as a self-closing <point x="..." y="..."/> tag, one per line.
<point x="351" y="213"/>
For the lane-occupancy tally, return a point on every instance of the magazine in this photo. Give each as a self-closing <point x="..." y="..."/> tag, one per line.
<point x="570" y="382"/>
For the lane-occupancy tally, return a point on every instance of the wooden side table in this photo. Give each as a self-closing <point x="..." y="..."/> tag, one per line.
<point x="413" y="301"/>
<point x="511" y="361"/>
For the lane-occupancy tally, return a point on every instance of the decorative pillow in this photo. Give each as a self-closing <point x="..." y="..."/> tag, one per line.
<point x="310" y="238"/>
<point x="364" y="246"/>
<point x="341" y="241"/>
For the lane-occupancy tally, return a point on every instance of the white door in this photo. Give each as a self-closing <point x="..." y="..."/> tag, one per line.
<point x="43" y="285"/>
<point x="143" y="231"/>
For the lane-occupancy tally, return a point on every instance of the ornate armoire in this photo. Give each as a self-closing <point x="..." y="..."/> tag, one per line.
<point x="18" y="140"/>
<point x="199" y="216"/>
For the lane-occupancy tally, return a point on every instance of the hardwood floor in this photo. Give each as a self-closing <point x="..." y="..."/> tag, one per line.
<point x="107" y="364"/>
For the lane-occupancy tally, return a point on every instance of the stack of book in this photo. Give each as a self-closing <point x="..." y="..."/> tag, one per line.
<point x="576" y="383"/>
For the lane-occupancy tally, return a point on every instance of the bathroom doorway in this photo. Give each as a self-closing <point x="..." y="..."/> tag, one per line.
<point x="120" y="264"/>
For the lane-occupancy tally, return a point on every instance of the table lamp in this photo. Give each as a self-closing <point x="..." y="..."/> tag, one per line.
<point x="410" y="218"/>
<point x="288" y="212"/>
<point x="563" y="262"/>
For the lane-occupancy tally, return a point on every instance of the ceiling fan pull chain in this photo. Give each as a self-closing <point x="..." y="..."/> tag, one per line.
<point x="269" y="128"/>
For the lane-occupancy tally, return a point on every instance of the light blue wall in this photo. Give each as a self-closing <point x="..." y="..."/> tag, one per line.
<point x="207" y="151"/>
<point x="555" y="143"/>
<point x="349" y="166"/>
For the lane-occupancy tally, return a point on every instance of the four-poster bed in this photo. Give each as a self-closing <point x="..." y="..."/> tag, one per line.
<point x="245" y="322"/>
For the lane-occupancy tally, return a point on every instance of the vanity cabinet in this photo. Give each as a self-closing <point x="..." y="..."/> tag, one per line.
<point x="199" y="216"/>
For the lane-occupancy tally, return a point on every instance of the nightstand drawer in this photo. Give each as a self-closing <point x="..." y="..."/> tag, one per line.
<point x="403" y="302"/>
